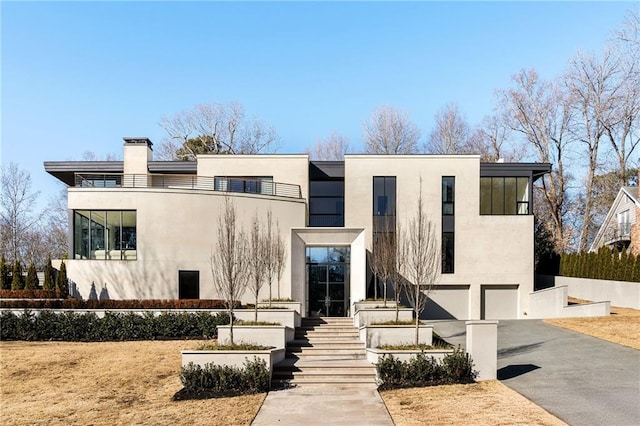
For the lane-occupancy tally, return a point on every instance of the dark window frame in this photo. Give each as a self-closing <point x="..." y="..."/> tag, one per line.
<point x="524" y="206"/>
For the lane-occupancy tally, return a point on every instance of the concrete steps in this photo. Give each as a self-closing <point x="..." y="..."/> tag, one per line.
<point x="325" y="351"/>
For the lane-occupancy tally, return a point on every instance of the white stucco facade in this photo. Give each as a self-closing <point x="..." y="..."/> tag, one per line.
<point x="176" y="223"/>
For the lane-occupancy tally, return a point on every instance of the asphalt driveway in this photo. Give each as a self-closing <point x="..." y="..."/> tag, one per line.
<point x="580" y="379"/>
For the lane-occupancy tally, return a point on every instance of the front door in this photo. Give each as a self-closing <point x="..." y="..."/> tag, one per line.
<point x="327" y="279"/>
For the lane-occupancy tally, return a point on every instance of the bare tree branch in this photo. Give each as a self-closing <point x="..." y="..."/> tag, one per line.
<point x="389" y="131"/>
<point x="333" y="148"/>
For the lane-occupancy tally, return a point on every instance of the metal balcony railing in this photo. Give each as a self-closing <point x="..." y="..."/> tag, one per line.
<point x="618" y="232"/>
<point x="207" y="183"/>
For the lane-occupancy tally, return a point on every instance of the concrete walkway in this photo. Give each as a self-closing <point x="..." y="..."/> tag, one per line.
<point x="580" y="379"/>
<point x="324" y="405"/>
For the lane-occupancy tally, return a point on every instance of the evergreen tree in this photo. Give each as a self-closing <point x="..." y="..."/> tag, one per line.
<point x="32" y="282"/>
<point x="17" y="283"/>
<point x="48" y="283"/>
<point x="5" y="282"/>
<point x="62" y="283"/>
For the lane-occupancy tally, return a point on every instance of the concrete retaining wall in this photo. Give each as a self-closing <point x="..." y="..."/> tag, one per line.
<point x="552" y="303"/>
<point x="620" y="293"/>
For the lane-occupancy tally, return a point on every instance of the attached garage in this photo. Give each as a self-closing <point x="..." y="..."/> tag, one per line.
<point x="499" y="302"/>
<point x="448" y="302"/>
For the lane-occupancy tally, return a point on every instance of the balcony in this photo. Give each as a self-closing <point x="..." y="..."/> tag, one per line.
<point x="619" y="233"/>
<point x="205" y="183"/>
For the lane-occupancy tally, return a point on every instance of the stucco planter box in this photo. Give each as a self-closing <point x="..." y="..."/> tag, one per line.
<point x="296" y="306"/>
<point x="262" y="335"/>
<point x="233" y="358"/>
<point x="367" y="316"/>
<point x="375" y="355"/>
<point x="364" y="304"/>
<point x="374" y="336"/>
<point x="286" y="317"/>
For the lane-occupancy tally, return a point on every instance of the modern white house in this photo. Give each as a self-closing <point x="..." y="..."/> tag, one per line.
<point x="146" y="229"/>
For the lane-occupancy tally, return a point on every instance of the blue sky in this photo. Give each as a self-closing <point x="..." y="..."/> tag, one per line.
<point x="79" y="76"/>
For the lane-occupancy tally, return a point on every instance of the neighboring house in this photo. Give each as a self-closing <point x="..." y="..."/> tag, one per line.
<point x="620" y="229"/>
<point x="147" y="229"/>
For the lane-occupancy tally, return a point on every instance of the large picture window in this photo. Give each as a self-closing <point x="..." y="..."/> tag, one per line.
<point x="104" y="234"/>
<point x="504" y="196"/>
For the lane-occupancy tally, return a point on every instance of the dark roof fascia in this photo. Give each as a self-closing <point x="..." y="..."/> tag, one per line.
<point x="535" y="170"/>
<point x="65" y="170"/>
<point x="326" y="170"/>
<point x="173" y="167"/>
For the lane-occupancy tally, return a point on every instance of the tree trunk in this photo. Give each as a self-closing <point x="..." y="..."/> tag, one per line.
<point x="231" y="326"/>
<point x="417" y="311"/>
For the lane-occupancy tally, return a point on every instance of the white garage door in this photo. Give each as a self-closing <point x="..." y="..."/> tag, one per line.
<point x="448" y="302"/>
<point x="499" y="302"/>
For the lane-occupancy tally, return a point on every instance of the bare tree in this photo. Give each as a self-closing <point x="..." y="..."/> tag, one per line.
<point x="279" y="255"/>
<point x="258" y="255"/>
<point x="451" y="133"/>
<point x="17" y="216"/>
<point x="490" y="141"/>
<point x="591" y="83"/>
<point x="389" y="131"/>
<point x="333" y="148"/>
<point x="384" y="258"/>
<point x="621" y="124"/>
<point x="270" y="253"/>
<point x="421" y="267"/>
<point x="228" y="260"/>
<point x="539" y="112"/>
<point x="215" y="128"/>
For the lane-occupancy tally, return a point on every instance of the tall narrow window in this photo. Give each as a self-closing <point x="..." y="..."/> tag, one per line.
<point x="384" y="203"/>
<point x="448" y="223"/>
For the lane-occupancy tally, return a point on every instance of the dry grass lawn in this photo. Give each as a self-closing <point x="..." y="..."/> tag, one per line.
<point x="105" y="384"/>
<point x="483" y="403"/>
<point x="622" y="326"/>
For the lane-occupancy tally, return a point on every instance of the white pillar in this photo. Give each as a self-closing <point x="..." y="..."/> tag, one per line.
<point x="482" y="345"/>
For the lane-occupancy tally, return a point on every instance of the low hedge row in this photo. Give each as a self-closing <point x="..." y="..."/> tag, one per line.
<point x="26" y="303"/>
<point x="213" y="380"/>
<point x="421" y="371"/>
<point x="28" y="294"/>
<point x="114" y="326"/>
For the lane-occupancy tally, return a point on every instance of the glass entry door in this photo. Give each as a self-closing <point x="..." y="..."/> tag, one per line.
<point x="327" y="280"/>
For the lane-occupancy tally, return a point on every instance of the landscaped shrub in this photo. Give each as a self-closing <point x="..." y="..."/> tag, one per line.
<point x="32" y="281"/>
<point x="423" y="370"/>
<point x="48" y="283"/>
<point x="213" y="380"/>
<point x="62" y="282"/>
<point x="17" y="282"/>
<point x="114" y="326"/>
<point x="26" y="294"/>
<point x="5" y="282"/>
<point x="100" y="304"/>
<point x="605" y="264"/>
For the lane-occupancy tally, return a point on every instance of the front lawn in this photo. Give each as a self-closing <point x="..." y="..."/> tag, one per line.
<point x="107" y="383"/>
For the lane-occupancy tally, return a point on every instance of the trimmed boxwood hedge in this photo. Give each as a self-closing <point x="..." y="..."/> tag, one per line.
<point x="27" y="294"/>
<point x="114" y="326"/>
<point x="422" y="370"/>
<point x="212" y="381"/>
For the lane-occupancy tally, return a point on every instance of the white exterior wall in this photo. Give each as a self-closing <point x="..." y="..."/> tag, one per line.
<point x="489" y="250"/>
<point x="176" y="230"/>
